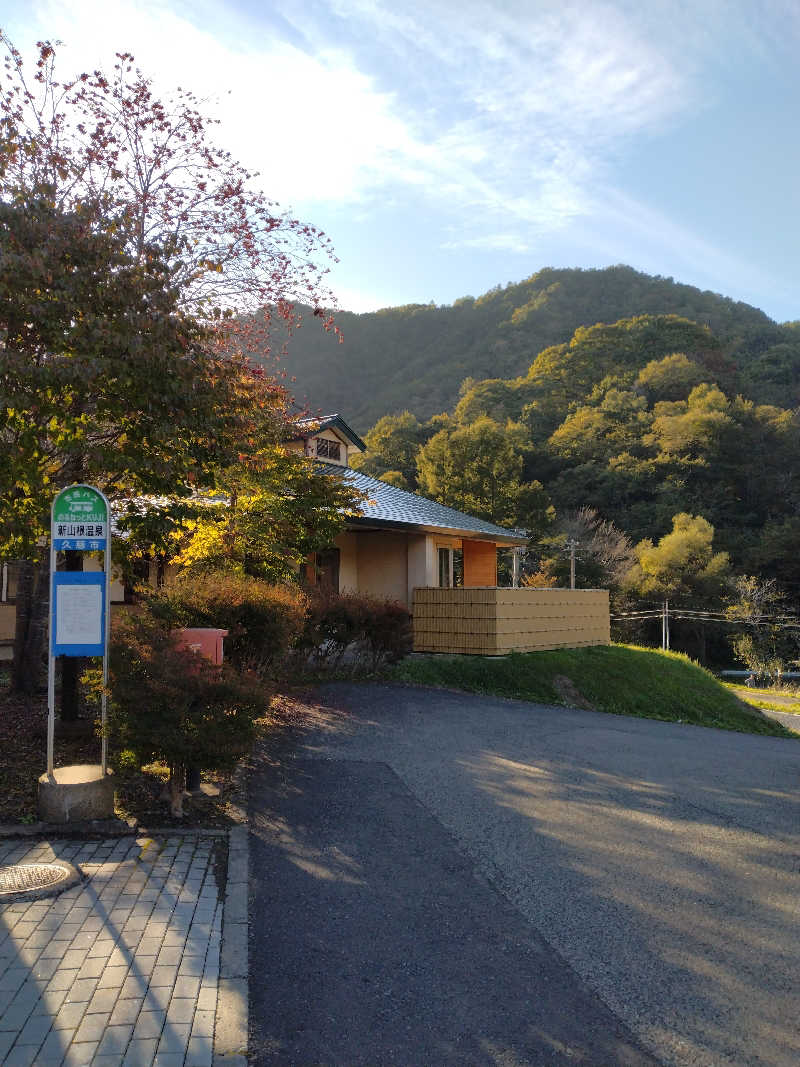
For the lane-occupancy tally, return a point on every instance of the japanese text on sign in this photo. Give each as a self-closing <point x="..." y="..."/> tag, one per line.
<point x="80" y="529"/>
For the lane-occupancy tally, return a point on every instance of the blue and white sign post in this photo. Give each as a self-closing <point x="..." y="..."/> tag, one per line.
<point x="79" y="600"/>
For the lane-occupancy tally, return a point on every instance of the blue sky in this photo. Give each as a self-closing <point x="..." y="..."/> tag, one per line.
<point x="447" y="147"/>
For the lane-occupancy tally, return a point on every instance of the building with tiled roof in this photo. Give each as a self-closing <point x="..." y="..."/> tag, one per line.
<point x="399" y="541"/>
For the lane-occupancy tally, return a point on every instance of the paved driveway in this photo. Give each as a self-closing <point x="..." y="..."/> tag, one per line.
<point x="442" y="878"/>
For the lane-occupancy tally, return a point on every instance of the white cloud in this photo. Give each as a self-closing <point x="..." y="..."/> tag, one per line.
<point x="495" y="242"/>
<point x="313" y="125"/>
<point x="519" y="110"/>
<point x="512" y="118"/>
<point x="504" y="117"/>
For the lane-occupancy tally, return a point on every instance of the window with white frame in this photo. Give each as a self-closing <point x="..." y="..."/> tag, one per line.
<point x="451" y="567"/>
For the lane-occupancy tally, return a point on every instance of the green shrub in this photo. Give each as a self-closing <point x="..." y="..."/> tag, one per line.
<point x="369" y="630"/>
<point x="333" y="623"/>
<point x="262" y="620"/>
<point x="389" y="635"/>
<point x="171" y="705"/>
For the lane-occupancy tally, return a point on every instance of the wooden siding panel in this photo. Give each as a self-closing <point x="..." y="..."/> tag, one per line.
<point x="480" y="563"/>
<point x="494" y="622"/>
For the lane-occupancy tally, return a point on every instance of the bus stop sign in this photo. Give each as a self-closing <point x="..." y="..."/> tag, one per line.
<point x="80" y="520"/>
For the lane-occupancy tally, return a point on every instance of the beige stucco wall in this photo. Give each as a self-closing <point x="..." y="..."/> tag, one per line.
<point x="331" y="436"/>
<point x="388" y="564"/>
<point x="92" y="563"/>
<point x="421" y="564"/>
<point x="308" y="447"/>
<point x="347" y="543"/>
<point x="383" y="565"/>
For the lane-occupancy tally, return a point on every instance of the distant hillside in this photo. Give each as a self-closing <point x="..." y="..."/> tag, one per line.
<point x="416" y="357"/>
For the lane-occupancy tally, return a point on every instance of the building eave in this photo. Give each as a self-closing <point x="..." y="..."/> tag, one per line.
<point x="511" y="539"/>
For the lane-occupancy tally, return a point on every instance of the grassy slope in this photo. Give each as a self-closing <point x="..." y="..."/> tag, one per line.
<point x="621" y="679"/>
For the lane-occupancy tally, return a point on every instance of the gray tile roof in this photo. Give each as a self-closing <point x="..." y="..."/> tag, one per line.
<point x="388" y="506"/>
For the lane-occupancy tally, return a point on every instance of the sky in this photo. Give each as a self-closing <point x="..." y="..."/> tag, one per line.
<point x="449" y="146"/>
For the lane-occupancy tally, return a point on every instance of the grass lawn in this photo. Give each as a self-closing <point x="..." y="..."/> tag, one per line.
<point x="620" y="679"/>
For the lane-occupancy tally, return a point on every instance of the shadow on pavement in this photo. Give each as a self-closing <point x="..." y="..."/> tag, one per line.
<point x="373" y="941"/>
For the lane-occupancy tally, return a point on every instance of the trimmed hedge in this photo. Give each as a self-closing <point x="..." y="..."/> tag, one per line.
<point x="263" y="621"/>
<point x="366" y="630"/>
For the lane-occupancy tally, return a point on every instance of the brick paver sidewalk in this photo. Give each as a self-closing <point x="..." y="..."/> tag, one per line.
<point x="120" y="970"/>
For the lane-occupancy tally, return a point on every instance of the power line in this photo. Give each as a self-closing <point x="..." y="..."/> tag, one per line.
<point x="783" y="622"/>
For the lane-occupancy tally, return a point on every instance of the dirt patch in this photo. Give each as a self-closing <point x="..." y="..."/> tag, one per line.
<point x="570" y="693"/>
<point x="23" y="757"/>
<point x="23" y="753"/>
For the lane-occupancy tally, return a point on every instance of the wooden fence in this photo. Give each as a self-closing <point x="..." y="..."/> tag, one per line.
<point x="493" y="622"/>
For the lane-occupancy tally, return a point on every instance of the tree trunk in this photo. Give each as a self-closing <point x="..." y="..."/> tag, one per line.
<point x="38" y="626"/>
<point x="30" y="637"/>
<point x="699" y="634"/>
<point x="20" y="678"/>
<point x="701" y="645"/>
<point x="176" y="782"/>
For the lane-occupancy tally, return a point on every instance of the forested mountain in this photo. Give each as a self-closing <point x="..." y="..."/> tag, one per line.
<point x="654" y="425"/>
<point x="641" y="420"/>
<point x="417" y="357"/>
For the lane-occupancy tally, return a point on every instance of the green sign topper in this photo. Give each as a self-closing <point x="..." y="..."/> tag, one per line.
<point x="80" y="519"/>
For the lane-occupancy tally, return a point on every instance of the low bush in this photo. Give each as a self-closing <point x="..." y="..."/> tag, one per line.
<point x="171" y="705"/>
<point x="263" y="621"/>
<point x="366" y="630"/>
<point x="388" y="633"/>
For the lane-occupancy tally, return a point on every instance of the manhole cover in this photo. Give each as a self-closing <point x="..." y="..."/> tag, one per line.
<point x="29" y="881"/>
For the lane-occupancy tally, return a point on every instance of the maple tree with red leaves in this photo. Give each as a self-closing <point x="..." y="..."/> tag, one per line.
<point x="151" y="165"/>
<point x="143" y="269"/>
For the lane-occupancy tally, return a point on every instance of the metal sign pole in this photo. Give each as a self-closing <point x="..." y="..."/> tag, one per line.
<point x="106" y="628"/>
<point x="51" y="660"/>
<point x="79" y="626"/>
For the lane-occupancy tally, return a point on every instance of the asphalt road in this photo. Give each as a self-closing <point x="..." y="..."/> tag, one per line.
<point x="438" y="878"/>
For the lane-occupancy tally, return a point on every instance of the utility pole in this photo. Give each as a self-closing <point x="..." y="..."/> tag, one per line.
<point x="572" y="545"/>
<point x="515" y="561"/>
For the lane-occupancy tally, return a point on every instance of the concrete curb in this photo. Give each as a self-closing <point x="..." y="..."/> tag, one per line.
<point x="88" y="831"/>
<point x="233" y="996"/>
<point x="230" y="1035"/>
